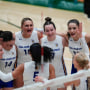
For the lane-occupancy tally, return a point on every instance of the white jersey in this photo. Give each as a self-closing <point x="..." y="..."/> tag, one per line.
<point x="23" y="45"/>
<point x="83" y="83"/>
<point x="78" y="46"/>
<point x="30" y="73"/>
<point x="57" y="47"/>
<point x="8" y="60"/>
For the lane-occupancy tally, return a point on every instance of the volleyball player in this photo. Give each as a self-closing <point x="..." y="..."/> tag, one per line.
<point x="80" y="62"/>
<point x="31" y="69"/>
<point x="8" y="58"/>
<point x="57" y="43"/>
<point x="77" y="40"/>
<point x="88" y="79"/>
<point x="24" y="39"/>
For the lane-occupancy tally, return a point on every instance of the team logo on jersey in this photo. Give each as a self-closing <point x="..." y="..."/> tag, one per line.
<point x="56" y="44"/>
<point x="20" y="39"/>
<point x="32" y="41"/>
<point x="45" y="42"/>
<point x="71" y="39"/>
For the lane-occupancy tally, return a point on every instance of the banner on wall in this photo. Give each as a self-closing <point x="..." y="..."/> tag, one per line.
<point x="73" y="5"/>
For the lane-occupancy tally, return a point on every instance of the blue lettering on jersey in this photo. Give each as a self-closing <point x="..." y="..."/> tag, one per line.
<point x="71" y="40"/>
<point x="24" y="46"/>
<point x="26" y="51"/>
<point x="8" y="64"/>
<point x="45" y="42"/>
<point x="57" y="49"/>
<point x="35" y="74"/>
<point x="20" y="39"/>
<point x="8" y="58"/>
<point x="75" y="52"/>
<point x="75" y="48"/>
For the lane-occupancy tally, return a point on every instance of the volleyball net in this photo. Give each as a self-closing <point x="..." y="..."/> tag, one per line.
<point x="57" y="81"/>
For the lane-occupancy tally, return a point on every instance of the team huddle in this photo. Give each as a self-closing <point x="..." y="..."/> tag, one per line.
<point x="20" y="55"/>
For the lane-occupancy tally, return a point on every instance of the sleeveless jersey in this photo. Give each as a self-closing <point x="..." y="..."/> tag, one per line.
<point x="83" y="83"/>
<point x="57" y="47"/>
<point x="23" y="45"/>
<point x="8" y="60"/>
<point x="78" y="46"/>
<point x="30" y="73"/>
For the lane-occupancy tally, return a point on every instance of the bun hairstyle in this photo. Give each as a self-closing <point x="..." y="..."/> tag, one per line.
<point x="82" y="60"/>
<point x="48" y="21"/>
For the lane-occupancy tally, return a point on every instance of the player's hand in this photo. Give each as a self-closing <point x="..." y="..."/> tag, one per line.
<point x="39" y="79"/>
<point x="80" y="30"/>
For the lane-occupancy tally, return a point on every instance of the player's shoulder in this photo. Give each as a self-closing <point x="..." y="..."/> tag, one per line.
<point x="18" y="33"/>
<point x="29" y="64"/>
<point x="58" y="37"/>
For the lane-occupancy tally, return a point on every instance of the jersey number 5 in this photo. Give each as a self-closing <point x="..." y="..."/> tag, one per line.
<point x="35" y="74"/>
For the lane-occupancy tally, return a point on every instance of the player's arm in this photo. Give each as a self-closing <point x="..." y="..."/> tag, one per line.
<point x="15" y="65"/>
<point x="65" y="37"/>
<point x="1" y="52"/>
<point x="51" y="71"/>
<point x="87" y="37"/>
<point x="40" y="35"/>
<point x="64" y="42"/>
<point x="12" y="75"/>
<point x="51" y="75"/>
<point x="18" y="71"/>
<point x="75" y="83"/>
<point x="61" y="34"/>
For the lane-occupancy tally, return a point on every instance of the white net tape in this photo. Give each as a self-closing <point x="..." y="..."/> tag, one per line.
<point x="57" y="81"/>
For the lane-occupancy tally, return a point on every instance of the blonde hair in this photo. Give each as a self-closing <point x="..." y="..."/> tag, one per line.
<point x="82" y="60"/>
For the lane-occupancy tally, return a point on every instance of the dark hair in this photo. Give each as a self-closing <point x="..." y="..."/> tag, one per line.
<point x="7" y="36"/>
<point x="47" y="22"/>
<point x="1" y="32"/>
<point x="88" y="45"/>
<point x="73" y="21"/>
<point x="25" y="19"/>
<point x="35" y="51"/>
